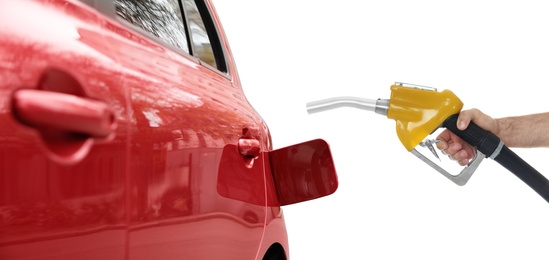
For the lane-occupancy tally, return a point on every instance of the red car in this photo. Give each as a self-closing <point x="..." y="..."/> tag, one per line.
<point x="125" y="134"/>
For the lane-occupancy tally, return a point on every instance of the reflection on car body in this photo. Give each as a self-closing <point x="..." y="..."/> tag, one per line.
<point x="126" y="135"/>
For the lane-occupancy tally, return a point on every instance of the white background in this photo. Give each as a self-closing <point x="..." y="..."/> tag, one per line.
<point x="493" y="54"/>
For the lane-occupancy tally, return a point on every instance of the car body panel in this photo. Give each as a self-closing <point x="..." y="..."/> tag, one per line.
<point x="62" y="194"/>
<point x="184" y="130"/>
<point x="182" y="168"/>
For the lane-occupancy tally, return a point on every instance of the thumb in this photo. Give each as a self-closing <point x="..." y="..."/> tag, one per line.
<point x="476" y="116"/>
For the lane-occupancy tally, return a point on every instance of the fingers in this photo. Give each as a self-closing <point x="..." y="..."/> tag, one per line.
<point x="456" y="149"/>
<point x="464" y="162"/>
<point x="460" y="155"/>
<point x="444" y="136"/>
<point x="453" y="146"/>
<point x="456" y="152"/>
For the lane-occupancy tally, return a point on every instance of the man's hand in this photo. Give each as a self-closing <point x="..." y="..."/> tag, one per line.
<point x="455" y="147"/>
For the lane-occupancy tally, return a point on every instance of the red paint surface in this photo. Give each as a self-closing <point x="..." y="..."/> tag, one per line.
<point x="169" y="181"/>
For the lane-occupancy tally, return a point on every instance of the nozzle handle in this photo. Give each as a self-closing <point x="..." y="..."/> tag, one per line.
<point x="486" y="142"/>
<point x="490" y="144"/>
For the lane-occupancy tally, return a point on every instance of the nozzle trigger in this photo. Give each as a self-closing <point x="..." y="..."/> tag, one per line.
<point x="429" y="144"/>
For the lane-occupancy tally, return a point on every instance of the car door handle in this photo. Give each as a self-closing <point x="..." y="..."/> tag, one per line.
<point x="40" y="108"/>
<point x="249" y="147"/>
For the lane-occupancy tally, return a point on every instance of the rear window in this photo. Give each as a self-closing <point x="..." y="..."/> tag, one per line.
<point x="161" y="18"/>
<point x="184" y="24"/>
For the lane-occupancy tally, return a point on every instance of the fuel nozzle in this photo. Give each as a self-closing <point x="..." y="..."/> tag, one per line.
<point x="379" y="106"/>
<point x="418" y="111"/>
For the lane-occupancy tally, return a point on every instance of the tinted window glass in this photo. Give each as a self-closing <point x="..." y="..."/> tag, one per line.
<point x="201" y="41"/>
<point x="161" y="18"/>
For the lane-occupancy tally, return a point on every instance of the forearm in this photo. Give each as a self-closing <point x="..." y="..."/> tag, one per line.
<point x="524" y="131"/>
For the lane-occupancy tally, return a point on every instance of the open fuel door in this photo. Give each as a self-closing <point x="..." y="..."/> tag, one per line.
<point x="303" y="171"/>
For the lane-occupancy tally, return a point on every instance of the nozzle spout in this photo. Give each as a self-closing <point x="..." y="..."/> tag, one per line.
<point x="378" y="106"/>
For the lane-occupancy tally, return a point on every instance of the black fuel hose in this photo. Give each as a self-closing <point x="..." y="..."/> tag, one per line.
<point x="491" y="146"/>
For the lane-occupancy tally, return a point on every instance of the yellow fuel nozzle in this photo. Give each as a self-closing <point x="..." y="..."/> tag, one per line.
<point x="419" y="111"/>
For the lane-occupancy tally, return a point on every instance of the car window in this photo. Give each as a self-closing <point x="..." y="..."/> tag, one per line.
<point x="165" y="20"/>
<point x="205" y="39"/>
<point x="161" y="18"/>
<point x="201" y="41"/>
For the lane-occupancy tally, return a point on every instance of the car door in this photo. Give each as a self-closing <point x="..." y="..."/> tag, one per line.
<point x="63" y="157"/>
<point x="196" y="173"/>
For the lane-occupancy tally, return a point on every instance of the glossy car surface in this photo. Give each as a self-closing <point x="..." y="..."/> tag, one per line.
<point x="125" y="134"/>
